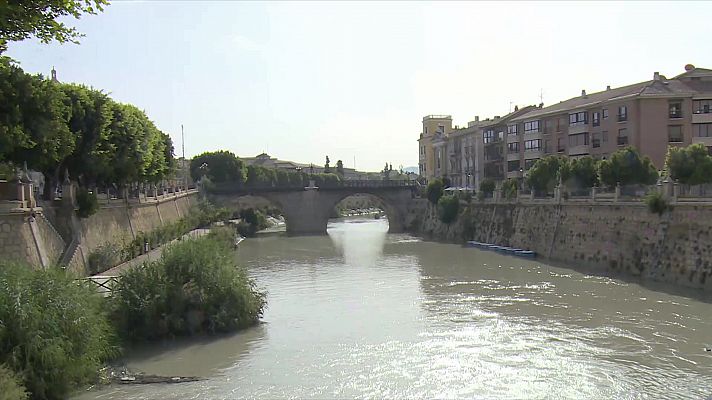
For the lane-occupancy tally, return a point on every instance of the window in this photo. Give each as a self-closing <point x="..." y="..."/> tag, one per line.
<point x="604" y="137"/>
<point x="559" y="123"/>
<point x="513" y="166"/>
<point x="702" y="106"/>
<point x="549" y="126"/>
<point x="560" y="145"/>
<point x="547" y="146"/>
<point x="530" y="163"/>
<point x="605" y="113"/>
<point x="675" y="133"/>
<point x="441" y="128"/>
<point x="596" y="140"/>
<point x="622" y="113"/>
<point x="531" y="126"/>
<point x="622" y="137"/>
<point x="513" y="147"/>
<point x="532" y="144"/>
<point x="426" y="130"/>
<point x="702" y="130"/>
<point x="596" y="117"/>
<point x="578" y="140"/>
<point x="675" y="109"/>
<point x="579" y="118"/>
<point x="489" y="136"/>
<point x="512" y="129"/>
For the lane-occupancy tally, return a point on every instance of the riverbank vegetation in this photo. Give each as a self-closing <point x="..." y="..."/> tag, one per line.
<point x="57" y="332"/>
<point x="54" y="332"/>
<point x="195" y="287"/>
<point x="448" y="208"/>
<point x="111" y="254"/>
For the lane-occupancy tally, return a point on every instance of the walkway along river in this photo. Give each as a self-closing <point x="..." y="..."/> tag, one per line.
<point x="362" y="313"/>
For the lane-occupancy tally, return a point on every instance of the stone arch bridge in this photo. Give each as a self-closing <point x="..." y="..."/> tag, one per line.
<point x="307" y="210"/>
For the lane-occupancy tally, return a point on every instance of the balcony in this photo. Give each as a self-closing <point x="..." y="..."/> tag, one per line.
<point x="622" y="140"/>
<point x="578" y="128"/>
<point x="513" y="156"/>
<point x="595" y="143"/>
<point x="513" y="138"/>
<point x="533" y="152"/>
<point x="622" y="117"/>
<point x="702" y="118"/>
<point x="707" y="141"/>
<point x="675" y="114"/>
<point x="578" y="150"/>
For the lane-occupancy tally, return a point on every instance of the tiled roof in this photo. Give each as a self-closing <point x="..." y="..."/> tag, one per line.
<point x="586" y="101"/>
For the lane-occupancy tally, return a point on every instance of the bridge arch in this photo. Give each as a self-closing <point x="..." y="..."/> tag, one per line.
<point x="307" y="211"/>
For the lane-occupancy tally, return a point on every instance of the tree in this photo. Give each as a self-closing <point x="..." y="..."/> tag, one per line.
<point x="327" y="167"/>
<point x="435" y="190"/>
<point x="689" y="165"/>
<point x="626" y="167"/>
<point x="20" y="20"/>
<point x="487" y="186"/>
<point x="580" y="172"/>
<point x="509" y="188"/>
<point x="219" y="166"/>
<point x="448" y="208"/>
<point x="544" y="175"/>
<point x="340" y="168"/>
<point x="386" y="173"/>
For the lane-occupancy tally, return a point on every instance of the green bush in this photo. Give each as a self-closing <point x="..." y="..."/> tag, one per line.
<point x="448" y="208"/>
<point x="627" y="167"/>
<point x="103" y="257"/>
<point x="195" y="287"/>
<point x="656" y="203"/>
<point x="435" y="191"/>
<point x="487" y="186"/>
<point x="53" y="331"/>
<point x="87" y="203"/>
<point x="509" y="188"/>
<point x="10" y="386"/>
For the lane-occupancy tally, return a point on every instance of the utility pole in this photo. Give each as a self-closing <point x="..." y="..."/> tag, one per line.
<point x="182" y="143"/>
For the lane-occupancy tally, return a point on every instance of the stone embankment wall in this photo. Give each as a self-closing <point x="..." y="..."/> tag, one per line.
<point x="41" y="236"/>
<point x="612" y="238"/>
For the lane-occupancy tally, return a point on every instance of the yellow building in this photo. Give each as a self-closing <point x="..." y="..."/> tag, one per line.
<point x="431" y="159"/>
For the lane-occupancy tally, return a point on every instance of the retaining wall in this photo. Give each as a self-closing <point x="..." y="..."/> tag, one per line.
<point x="620" y="238"/>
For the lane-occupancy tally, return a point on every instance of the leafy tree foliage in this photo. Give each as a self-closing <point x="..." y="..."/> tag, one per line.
<point x="11" y="385"/>
<point x="579" y="172"/>
<point x="55" y="333"/>
<point x="509" y="188"/>
<point x="690" y="165"/>
<point x="219" y="166"/>
<point x="435" y="191"/>
<point x="448" y="208"/>
<point x="22" y="19"/>
<point x="544" y="175"/>
<point x="627" y="167"/>
<point x="55" y="127"/>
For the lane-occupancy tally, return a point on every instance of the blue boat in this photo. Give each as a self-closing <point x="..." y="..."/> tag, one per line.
<point x="502" y="249"/>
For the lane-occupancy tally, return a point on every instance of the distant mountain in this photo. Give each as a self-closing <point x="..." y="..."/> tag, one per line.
<point x="411" y="169"/>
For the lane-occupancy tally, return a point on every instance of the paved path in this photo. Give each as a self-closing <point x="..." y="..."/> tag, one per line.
<point x="152" y="255"/>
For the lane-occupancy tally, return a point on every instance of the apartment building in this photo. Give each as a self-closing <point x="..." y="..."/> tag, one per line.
<point x="436" y="129"/>
<point x="650" y="115"/>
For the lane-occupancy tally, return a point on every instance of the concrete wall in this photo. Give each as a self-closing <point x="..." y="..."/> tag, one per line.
<point x="26" y="240"/>
<point x="39" y="243"/>
<point x="623" y="238"/>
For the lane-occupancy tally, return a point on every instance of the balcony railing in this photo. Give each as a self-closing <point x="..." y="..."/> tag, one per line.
<point x="622" y="140"/>
<point x="676" y="114"/>
<point x="595" y="143"/>
<point x="622" y="117"/>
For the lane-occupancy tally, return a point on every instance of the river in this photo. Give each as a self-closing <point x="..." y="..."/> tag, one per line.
<point x="361" y="313"/>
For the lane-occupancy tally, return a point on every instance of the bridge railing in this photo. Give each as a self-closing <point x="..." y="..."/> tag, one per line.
<point x="366" y="184"/>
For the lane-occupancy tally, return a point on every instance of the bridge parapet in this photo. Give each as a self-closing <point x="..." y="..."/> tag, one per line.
<point x="346" y="184"/>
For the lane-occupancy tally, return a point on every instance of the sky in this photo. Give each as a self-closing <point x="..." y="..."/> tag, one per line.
<point x="353" y="80"/>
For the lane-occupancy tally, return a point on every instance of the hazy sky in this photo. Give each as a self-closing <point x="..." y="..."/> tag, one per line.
<point x="305" y="80"/>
